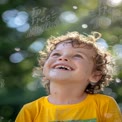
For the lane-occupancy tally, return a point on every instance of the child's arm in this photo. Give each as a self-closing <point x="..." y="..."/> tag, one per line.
<point x="113" y="113"/>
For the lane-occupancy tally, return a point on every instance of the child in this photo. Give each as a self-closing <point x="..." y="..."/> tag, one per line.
<point x="74" y="70"/>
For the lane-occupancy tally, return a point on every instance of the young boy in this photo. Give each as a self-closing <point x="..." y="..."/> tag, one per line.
<point x="74" y="70"/>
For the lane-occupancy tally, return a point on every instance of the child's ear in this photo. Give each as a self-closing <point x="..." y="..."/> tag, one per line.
<point x="95" y="77"/>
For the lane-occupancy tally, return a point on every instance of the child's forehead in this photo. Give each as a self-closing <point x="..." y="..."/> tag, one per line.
<point x="72" y="44"/>
<point x="80" y="49"/>
<point x="64" y="44"/>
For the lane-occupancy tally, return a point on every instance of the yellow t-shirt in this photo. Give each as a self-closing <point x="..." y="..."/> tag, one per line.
<point x="95" y="108"/>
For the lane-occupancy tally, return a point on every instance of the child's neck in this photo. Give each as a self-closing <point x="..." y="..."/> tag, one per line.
<point x="66" y="94"/>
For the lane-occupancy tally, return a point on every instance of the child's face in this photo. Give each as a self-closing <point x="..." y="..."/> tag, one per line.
<point x="67" y="64"/>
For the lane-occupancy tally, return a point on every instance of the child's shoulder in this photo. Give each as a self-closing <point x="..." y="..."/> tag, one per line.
<point x="101" y="98"/>
<point x="36" y="103"/>
<point x="100" y="95"/>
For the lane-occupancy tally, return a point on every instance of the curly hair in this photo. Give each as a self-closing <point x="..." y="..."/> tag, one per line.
<point x="103" y="60"/>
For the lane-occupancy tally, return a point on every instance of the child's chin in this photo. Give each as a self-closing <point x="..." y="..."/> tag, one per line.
<point x="60" y="74"/>
<point x="60" y="78"/>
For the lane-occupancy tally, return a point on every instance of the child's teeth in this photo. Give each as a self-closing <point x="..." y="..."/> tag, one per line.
<point x="59" y="66"/>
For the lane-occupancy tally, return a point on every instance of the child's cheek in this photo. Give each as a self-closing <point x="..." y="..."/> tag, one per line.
<point x="46" y="67"/>
<point x="48" y="64"/>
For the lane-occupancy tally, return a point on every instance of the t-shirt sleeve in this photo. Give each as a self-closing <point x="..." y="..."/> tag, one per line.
<point x="24" y="115"/>
<point x="113" y="113"/>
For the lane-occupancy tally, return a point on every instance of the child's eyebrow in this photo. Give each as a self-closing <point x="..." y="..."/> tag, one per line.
<point x="81" y="53"/>
<point x="55" y="50"/>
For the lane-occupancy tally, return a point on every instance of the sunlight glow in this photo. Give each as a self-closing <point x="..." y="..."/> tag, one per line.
<point x="114" y="3"/>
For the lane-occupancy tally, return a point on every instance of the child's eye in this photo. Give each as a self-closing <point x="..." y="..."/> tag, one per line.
<point x="78" y="55"/>
<point x="56" y="54"/>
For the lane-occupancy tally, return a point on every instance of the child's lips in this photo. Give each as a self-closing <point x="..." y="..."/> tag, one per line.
<point x="63" y="66"/>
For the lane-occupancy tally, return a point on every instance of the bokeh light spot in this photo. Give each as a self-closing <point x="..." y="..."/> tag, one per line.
<point x="16" y="57"/>
<point x="69" y="17"/>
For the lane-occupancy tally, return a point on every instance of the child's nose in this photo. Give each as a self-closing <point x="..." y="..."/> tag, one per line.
<point x="63" y="58"/>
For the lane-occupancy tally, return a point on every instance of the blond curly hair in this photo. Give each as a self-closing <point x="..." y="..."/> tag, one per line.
<point x="103" y="60"/>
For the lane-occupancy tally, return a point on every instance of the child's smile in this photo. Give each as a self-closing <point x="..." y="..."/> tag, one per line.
<point x="63" y="67"/>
